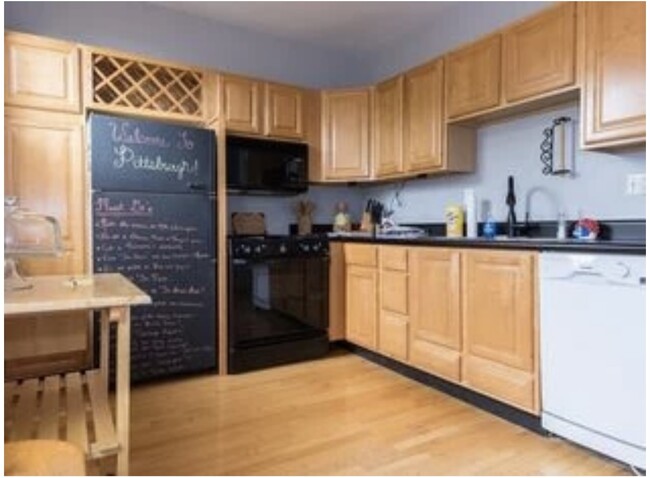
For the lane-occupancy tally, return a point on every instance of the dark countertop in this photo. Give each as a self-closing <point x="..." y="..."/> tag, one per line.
<point x="537" y="244"/>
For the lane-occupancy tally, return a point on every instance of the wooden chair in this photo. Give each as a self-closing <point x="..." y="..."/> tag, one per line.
<point x="44" y="458"/>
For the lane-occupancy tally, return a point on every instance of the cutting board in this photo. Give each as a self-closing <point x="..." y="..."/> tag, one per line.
<point x="248" y="223"/>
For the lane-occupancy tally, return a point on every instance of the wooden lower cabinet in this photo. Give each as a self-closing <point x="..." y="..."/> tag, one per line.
<point x="435" y="338"/>
<point x="337" y="292"/>
<point x="468" y="316"/>
<point x="393" y="335"/>
<point x="394" y="296"/>
<point x="361" y="289"/>
<point x="394" y="304"/>
<point x="500" y="326"/>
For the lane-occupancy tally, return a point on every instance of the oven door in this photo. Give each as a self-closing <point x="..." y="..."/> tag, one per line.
<point x="277" y="300"/>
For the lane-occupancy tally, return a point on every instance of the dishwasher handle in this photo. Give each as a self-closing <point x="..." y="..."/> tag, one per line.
<point x="592" y="273"/>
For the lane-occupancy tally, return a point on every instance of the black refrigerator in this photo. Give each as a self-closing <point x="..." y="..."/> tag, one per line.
<point x="154" y="220"/>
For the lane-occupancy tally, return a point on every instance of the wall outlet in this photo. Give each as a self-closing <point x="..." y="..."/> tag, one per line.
<point x="635" y="185"/>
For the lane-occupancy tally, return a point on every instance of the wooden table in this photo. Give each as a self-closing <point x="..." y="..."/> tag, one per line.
<point x="75" y="406"/>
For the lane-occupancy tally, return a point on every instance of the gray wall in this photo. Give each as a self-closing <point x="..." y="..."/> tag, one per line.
<point x="151" y="29"/>
<point x="511" y="147"/>
<point x="456" y="25"/>
<point x="279" y="210"/>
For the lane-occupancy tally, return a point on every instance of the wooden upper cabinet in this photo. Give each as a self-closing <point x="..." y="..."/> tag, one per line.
<point x="613" y="100"/>
<point x="388" y="127"/>
<point x="44" y="168"/>
<point x="283" y="111"/>
<point x="41" y="73"/>
<point x="346" y="133"/>
<point x="423" y="117"/>
<point x="435" y="338"/>
<point x="499" y="323"/>
<point x="473" y="76"/>
<point x="539" y="53"/>
<point x="241" y="104"/>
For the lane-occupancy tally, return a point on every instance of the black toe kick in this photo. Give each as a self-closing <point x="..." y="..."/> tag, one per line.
<point x="512" y="414"/>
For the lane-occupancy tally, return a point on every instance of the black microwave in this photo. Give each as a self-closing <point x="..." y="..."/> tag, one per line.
<point x="259" y="166"/>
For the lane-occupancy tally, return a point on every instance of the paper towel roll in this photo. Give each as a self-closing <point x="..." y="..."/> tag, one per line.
<point x="470" y="212"/>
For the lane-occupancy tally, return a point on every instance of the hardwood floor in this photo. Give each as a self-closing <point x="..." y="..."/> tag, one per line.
<point x="341" y="415"/>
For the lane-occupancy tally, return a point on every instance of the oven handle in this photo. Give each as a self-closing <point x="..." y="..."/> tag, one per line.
<point x="275" y="260"/>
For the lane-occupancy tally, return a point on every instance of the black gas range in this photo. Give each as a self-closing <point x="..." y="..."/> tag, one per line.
<point x="278" y="300"/>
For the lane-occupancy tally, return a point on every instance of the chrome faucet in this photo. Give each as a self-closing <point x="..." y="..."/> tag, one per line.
<point x="531" y="192"/>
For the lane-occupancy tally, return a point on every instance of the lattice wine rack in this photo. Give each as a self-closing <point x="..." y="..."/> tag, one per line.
<point x="145" y="86"/>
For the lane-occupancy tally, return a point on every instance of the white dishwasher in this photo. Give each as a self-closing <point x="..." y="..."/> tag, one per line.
<point x="593" y="351"/>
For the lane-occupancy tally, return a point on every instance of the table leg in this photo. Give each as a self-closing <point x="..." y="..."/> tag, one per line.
<point x="122" y="388"/>
<point x="104" y="342"/>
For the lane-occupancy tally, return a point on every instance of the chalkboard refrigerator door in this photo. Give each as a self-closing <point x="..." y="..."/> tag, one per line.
<point x="149" y="156"/>
<point x="164" y="243"/>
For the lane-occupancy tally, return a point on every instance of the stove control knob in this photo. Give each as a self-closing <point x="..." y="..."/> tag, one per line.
<point x="258" y="249"/>
<point x="283" y="249"/>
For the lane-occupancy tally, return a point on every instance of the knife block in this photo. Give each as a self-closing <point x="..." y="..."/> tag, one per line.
<point x="366" y="222"/>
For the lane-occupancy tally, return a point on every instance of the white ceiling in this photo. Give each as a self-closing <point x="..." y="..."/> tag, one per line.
<point x="356" y="27"/>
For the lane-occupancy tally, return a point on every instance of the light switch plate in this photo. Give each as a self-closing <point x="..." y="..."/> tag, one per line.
<point x="635" y="185"/>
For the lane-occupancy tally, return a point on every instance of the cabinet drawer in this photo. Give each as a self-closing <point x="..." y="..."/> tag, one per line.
<point x="361" y="255"/>
<point x="510" y="385"/>
<point x="436" y="359"/>
<point x="394" y="294"/>
<point x="394" y="258"/>
<point x="393" y="335"/>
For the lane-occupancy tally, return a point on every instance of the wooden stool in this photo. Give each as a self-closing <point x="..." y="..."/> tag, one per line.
<point x="44" y="457"/>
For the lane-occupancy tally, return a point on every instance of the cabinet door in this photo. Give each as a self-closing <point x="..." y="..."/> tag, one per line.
<point x="388" y="127"/>
<point x="393" y="335"/>
<point x="435" y="343"/>
<point x="41" y="73"/>
<point x="44" y="167"/>
<point x="394" y="301"/>
<point x="361" y="306"/>
<point x="283" y="111"/>
<point x="613" y="102"/>
<point x="346" y="134"/>
<point x="394" y="296"/>
<point x="241" y="107"/>
<point x="539" y="54"/>
<point x="473" y="77"/>
<point x="499" y="323"/>
<point x="423" y="117"/>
